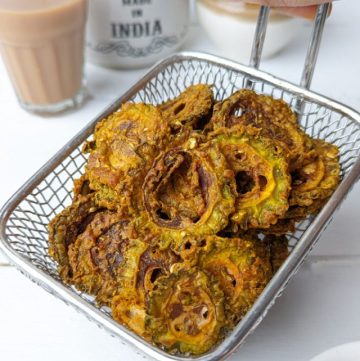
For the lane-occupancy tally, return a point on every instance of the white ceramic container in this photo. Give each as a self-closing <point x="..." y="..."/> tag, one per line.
<point x="230" y="25"/>
<point x="346" y="352"/>
<point x="135" y="33"/>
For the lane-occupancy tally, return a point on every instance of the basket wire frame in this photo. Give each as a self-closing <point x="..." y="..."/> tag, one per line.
<point x="24" y="229"/>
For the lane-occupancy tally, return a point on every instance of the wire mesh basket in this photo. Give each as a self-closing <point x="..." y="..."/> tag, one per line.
<point x="24" y="219"/>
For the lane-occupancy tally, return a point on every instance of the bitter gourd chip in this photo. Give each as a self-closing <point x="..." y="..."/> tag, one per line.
<point x="260" y="168"/>
<point x="191" y="108"/>
<point x="97" y="255"/>
<point x="64" y="229"/>
<point x="312" y="184"/>
<point x="272" y="116"/>
<point x="143" y="265"/>
<point x="188" y="191"/>
<point x="126" y="143"/>
<point x="242" y="268"/>
<point x="282" y="226"/>
<point x="82" y="186"/>
<point x="186" y="312"/>
<point x="317" y="178"/>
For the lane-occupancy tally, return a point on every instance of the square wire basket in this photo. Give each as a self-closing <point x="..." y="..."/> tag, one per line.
<point x="24" y="219"/>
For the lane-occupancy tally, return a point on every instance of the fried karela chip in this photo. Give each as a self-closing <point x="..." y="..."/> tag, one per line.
<point x="282" y="226"/>
<point x="188" y="191"/>
<point x="143" y="265"/>
<point x="242" y="268"/>
<point x="82" y="186"/>
<point x="260" y="168"/>
<point x="318" y="177"/>
<point x="128" y="302"/>
<point x="65" y="228"/>
<point x="186" y="312"/>
<point x="272" y="116"/>
<point x="193" y="107"/>
<point x="96" y="256"/>
<point x="126" y="144"/>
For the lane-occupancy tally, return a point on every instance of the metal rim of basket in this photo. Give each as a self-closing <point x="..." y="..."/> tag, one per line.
<point x="278" y="282"/>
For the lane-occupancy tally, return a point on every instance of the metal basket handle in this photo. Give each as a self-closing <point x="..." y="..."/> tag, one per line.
<point x="313" y="48"/>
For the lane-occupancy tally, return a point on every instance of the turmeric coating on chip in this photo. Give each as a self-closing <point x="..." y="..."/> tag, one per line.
<point x="273" y="118"/>
<point x="188" y="191"/>
<point x="185" y="211"/>
<point x="318" y="176"/>
<point x="191" y="108"/>
<point x="312" y="184"/>
<point x="96" y="256"/>
<point x="261" y="173"/>
<point x="124" y="148"/>
<point x="143" y="265"/>
<point x="64" y="229"/>
<point x="242" y="268"/>
<point x="186" y="312"/>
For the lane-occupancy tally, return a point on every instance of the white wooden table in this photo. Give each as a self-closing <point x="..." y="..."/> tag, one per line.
<point x="318" y="310"/>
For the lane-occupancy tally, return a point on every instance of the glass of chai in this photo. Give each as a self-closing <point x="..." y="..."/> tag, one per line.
<point x="42" y="46"/>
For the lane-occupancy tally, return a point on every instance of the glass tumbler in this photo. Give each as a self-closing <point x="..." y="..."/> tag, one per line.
<point x="42" y="46"/>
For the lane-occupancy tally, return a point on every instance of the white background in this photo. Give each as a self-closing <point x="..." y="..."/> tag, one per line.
<point x="320" y="307"/>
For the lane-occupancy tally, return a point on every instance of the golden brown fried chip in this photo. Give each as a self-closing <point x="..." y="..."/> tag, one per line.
<point x="82" y="186"/>
<point x="242" y="268"/>
<point x="317" y="178"/>
<point x="143" y="265"/>
<point x="193" y="107"/>
<point x="282" y="226"/>
<point x="186" y="312"/>
<point x="188" y="192"/>
<point x="126" y="143"/>
<point x="97" y="255"/>
<point x="273" y="117"/>
<point x="260" y="169"/>
<point x="312" y="184"/>
<point x="65" y="228"/>
<point x="128" y="302"/>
